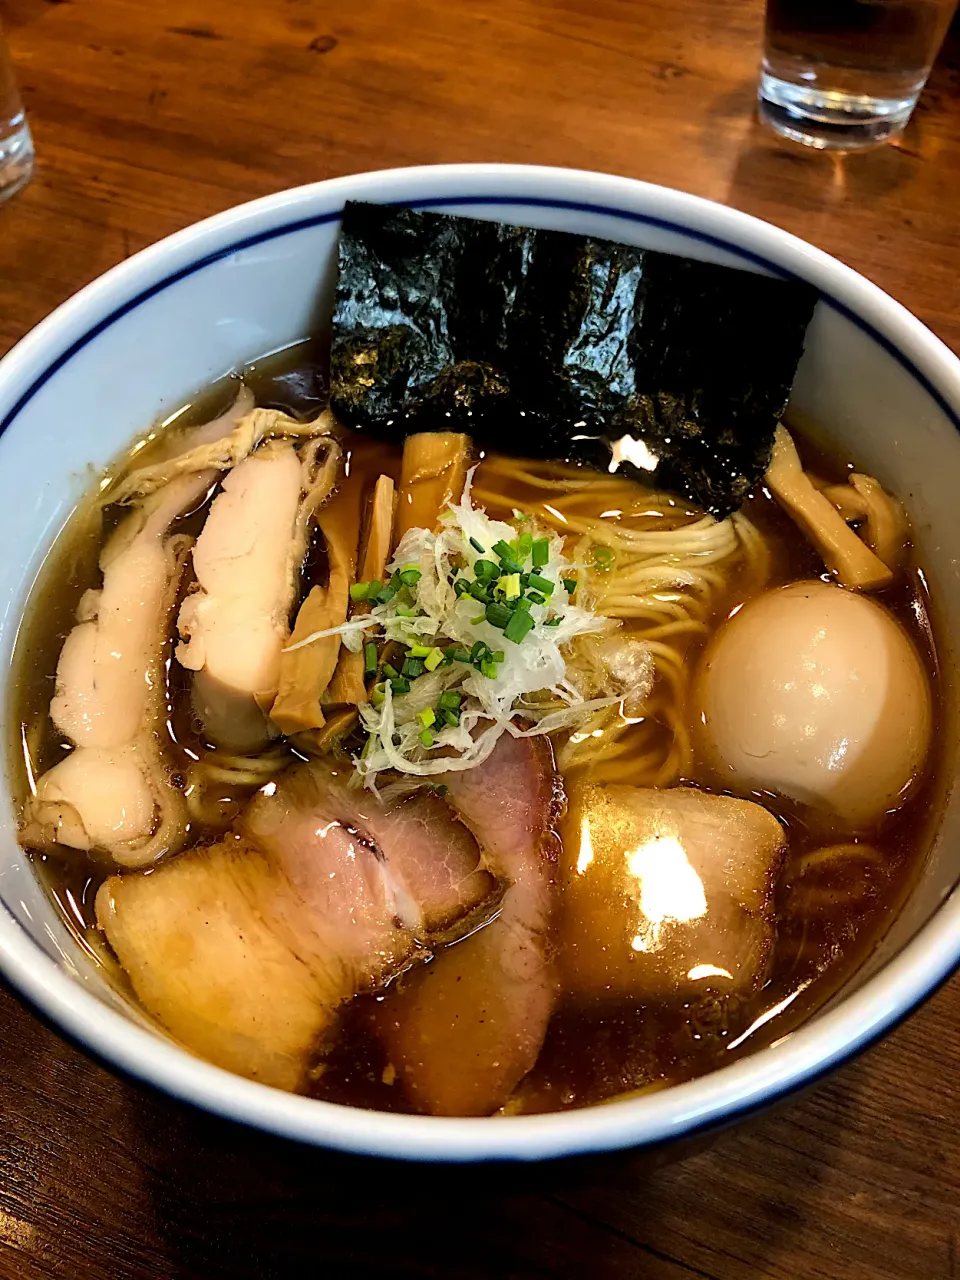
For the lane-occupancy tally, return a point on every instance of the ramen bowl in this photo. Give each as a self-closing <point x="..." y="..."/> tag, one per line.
<point x="140" y="340"/>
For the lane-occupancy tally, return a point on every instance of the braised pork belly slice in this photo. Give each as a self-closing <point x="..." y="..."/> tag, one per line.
<point x="246" y="949"/>
<point x="462" y="1031"/>
<point x="666" y="894"/>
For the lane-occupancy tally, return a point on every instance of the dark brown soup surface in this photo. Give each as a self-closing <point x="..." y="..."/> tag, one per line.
<point x="830" y="912"/>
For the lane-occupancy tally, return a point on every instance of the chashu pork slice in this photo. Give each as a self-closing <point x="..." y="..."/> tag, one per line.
<point x="246" y="949"/>
<point x="429" y="859"/>
<point x="462" y="1031"/>
<point x="667" y="895"/>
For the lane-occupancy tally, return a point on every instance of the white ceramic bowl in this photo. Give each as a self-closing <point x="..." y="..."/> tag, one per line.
<point x="149" y="333"/>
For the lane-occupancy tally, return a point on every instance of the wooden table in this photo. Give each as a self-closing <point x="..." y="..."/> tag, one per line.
<point x="149" y="116"/>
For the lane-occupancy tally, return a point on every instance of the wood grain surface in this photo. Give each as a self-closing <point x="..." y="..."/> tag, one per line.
<point x="149" y="116"/>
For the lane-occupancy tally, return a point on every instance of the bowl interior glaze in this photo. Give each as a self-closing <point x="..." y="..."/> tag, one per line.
<point x="141" y="340"/>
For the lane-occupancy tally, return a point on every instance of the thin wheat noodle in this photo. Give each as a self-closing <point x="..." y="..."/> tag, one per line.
<point x="220" y="769"/>
<point x="666" y="578"/>
<point x="825" y="857"/>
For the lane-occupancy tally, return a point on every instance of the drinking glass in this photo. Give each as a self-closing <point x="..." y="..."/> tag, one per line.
<point x="846" y="74"/>
<point x="16" y="144"/>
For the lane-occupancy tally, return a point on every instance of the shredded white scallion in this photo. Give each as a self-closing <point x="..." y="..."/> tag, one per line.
<point x="527" y="682"/>
<point x="346" y="630"/>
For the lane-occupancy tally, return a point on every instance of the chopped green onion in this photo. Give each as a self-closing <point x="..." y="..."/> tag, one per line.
<point x="524" y="546"/>
<point x="478" y="651"/>
<point x="451" y="717"/>
<point x="570" y="585"/>
<point x="370" y="658"/>
<point x="510" y="566"/>
<point x="540" y="552"/>
<point x="475" y="622"/>
<point x="523" y="603"/>
<point x="537" y="598"/>
<point x="511" y="585"/>
<point x="498" y="615"/>
<point x="479" y="592"/>
<point x="433" y="658"/>
<point x="460" y="588"/>
<point x="542" y="584"/>
<point x="602" y="555"/>
<point x="418" y="651"/>
<point x="518" y="626"/>
<point x="412" y="668"/>
<point x="499" y="655"/>
<point x="427" y="717"/>
<point x="399" y="686"/>
<point x="376" y="695"/>
<point x="476" y="546"/>
<point x="387" y="594"/>
<point x="552" y="622"/>
<point x="373" y="589"/>
<point x="450" y="699"/>
<point x="440" y="788"/>
<point x="426" y="737"/>
<point x="489" y="669"/>
<point x="503" y="550"/>
<point x="359" y="591"/>
<point x="409" y="577"/>
<point x="404" y="612"/>
<point x="391" y="672"/>
<point x="459" y="654"/>
<point x="486" y="570"/>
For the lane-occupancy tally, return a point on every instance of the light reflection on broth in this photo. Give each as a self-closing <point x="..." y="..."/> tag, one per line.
<point x="669" y="890"/>
<point x="834" y="896"/>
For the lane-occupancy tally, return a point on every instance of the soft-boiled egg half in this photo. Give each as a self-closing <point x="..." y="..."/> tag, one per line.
<point x="818" y="694"/>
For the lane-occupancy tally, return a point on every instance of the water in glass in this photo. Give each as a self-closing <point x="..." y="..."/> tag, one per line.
<point x="847" y="73"/>
<point x="16" y="144"/>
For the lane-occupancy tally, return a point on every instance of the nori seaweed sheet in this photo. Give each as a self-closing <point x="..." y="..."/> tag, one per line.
<point x="546" y="344"/>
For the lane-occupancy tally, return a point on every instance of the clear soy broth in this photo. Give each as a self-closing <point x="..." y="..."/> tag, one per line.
<point x="829" y="917"/>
